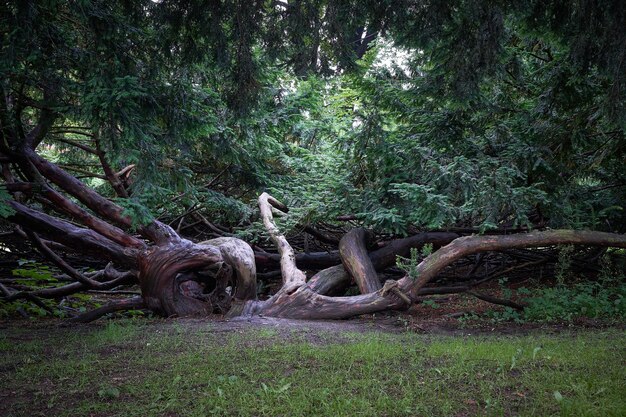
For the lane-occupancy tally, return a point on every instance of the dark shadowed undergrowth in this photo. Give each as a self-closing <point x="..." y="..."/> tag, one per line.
<point x="198" y="368"/>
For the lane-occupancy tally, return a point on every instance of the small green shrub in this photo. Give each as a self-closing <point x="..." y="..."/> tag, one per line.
<point x="409" y="265"/>
<point x="588" y="299"/>
<point x="430" y="303"/>
<point x="598" y="300"/>
<point x="506" y="315"/>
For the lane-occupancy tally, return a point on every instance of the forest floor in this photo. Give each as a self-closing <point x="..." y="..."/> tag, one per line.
<point x="393" y="365"/>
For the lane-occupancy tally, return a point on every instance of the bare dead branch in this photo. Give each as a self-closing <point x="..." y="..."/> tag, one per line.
<point x="292" y="276"/>
<point x="120" y="305"/>
<point x="499" y="301"/>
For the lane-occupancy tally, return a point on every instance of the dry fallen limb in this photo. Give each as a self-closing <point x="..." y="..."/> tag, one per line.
<point x="107" y="278"/>
<point x="292" y="276"/>
<point x="322" y="237"/>
<point x="59" y="262"/>
<point x="119" y="305"/>
<point x="77" y="238"/>
<point x="470" y="245"/>
<point x="312" y="260"/>
<point x="335" y="280"/>
<point x="8" y="296"/>
<point x="499" y="301"/>
<point x="300" y="301"/>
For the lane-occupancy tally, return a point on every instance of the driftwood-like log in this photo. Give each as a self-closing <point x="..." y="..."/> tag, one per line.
<point x="464" y="246"/>
<point x="330" y="281"/>
<point x="292" y="276"/>
<point x="303" y="302"/>
<point x="335" y="280"/>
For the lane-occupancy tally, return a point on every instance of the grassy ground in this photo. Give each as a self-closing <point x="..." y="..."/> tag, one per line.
<point x="196" y="368"/>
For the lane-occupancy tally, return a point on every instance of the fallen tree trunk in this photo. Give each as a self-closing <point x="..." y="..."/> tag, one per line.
<point x="299" y="300"/>
<point x="168" y="266"/>
<point x="179" y="277"/>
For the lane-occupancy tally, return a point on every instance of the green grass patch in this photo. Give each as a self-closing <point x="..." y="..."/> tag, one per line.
<point x="131" y="368"/>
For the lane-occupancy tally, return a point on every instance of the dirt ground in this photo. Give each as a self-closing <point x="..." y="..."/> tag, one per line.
<point x="442" y="317"/>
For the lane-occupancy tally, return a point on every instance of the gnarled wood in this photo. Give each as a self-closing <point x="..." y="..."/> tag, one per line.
<point x="355" y="259"/>
<point x="330" y="281"/>
<point x="381" y="258"/>
<point x="240" y="256"/>
<point x="464" y="246"/>
<point x="335" y="280"/>
<point x="303" y="302"/>
<point x="292" y="276"/>
<point x="158" y="270"/>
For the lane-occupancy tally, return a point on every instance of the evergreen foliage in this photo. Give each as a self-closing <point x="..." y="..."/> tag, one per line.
<point x="405" y="114"/>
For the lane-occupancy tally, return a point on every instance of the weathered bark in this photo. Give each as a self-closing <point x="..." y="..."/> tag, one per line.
<point x="158" y="270"/>
<point x="80" y="239"/>
<point x="335" y="280"/>
<point x="470" y="245"/>
<point x="304" y="303"/>
<point x="158" y="232"/>
<point x="387" y="255"/>
<point x="291" y="274"/>
<point x="330" y="281"/>
<point x="301" y="301"/>
<point x="381" y="258"/>
<point x="240" y="256"/>
<point x="297" y="300"/>
<point x="355" y="259"/>
<point x="170" y="271"/>
<point x="163" y="289"/>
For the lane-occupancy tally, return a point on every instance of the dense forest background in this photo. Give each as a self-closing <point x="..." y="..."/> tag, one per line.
<point x="402" y="117"/>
